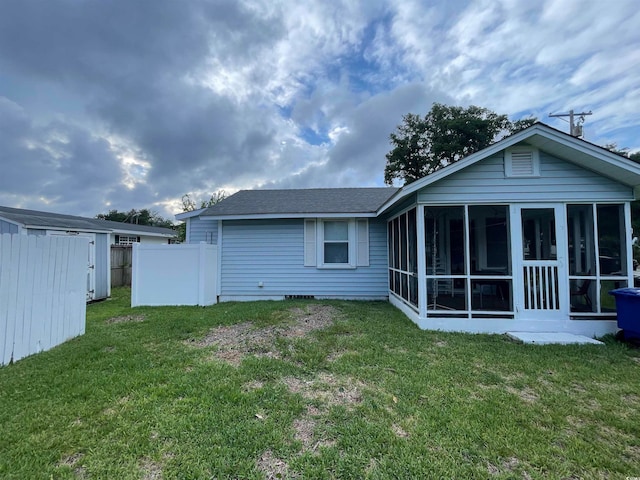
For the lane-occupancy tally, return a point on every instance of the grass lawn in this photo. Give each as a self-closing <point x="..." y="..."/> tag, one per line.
<point x="304" y="389"/>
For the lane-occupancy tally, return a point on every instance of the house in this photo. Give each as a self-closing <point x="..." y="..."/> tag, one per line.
<point x="529" y="234"/>
<point x="101" y="233"/>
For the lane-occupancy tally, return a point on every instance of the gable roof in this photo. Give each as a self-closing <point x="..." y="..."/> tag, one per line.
<point x="297" y="203"/>
<point x="38" y="219"/>
<point x="545" y="138"/>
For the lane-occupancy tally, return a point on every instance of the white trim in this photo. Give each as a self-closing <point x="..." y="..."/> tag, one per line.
<point x="65" y="229"/>
<point x="272" y="216"/>
<point x="422" y="261"/>
<point x="219" y="253"/>
<point x="141" y="233"/>
<point x="351" y="244"/>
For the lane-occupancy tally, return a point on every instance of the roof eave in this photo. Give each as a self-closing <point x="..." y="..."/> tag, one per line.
<point x="65" y="229"/>
<point x="275" y="216"/>
<point x="192" y="213"/>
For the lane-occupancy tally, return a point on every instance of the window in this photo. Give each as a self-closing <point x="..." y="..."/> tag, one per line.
<point x="126" y="240"/>
<point x="336" y="243"/>
<point x="522" y="162"/>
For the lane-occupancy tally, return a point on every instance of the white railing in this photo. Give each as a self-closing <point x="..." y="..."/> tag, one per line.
<point x="43" y="285"/>
<point x="541" y="287"/>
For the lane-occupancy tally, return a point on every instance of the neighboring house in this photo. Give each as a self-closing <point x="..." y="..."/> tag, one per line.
<point x="101" y="233"/>
<point x="529" y="234"/>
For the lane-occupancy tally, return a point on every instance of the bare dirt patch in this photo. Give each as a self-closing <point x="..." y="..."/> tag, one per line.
<point x="234" y="342"/>
<point x="526" y="394"/>
<point x="272" y="466"/>
<point x="254" y="385"/>
<point x="150" y="469"/>
<point x="126" y="319"/>
<point x="508" y="465"/>
<point x="72" y="461"/>
<point x="327" y="388"/>
<point x="399" y="431"/>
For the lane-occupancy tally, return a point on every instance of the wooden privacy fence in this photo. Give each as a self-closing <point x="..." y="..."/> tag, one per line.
<point x="43" y="288"/>
<point x="121" y="260"/>
<point x="185" y="274"/>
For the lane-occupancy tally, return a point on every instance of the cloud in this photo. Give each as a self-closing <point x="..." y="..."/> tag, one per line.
<point x="56" y="162"/>
<point x="132" y="104"/>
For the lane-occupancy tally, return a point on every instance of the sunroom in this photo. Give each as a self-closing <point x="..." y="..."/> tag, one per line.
<point x="482" y="246"/>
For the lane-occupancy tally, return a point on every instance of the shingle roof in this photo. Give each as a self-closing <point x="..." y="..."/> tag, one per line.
<point x="302" y="201"/>
<point x="35" y="218"/>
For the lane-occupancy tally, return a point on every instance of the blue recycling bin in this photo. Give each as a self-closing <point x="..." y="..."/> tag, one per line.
<point x="628" y="307"/>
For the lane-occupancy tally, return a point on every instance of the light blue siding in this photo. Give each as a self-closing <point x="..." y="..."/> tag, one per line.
<point x="272" y="252"/>
<point x="102" y="265"/>
<point x="559" y="181"/>
<point x="36" y="231"/>
<point x="6" y="227"/>
<point x="202" y="231"/>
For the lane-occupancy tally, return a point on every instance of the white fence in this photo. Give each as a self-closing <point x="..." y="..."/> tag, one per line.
<point x="174" y="274"/>
<point x="43" y="287"/>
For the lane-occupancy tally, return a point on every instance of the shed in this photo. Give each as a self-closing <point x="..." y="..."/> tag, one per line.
<point x="101" y="234"/>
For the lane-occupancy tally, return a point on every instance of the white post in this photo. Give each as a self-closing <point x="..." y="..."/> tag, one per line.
<point x="422" y="267"/>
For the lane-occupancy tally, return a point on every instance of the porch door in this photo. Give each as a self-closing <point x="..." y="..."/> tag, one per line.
<point x="539" y="249"/>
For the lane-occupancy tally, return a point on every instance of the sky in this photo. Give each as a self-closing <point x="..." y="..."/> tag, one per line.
<point x="120" y="104"/>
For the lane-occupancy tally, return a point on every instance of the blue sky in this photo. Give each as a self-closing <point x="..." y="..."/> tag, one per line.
<point x="126" y="104"/>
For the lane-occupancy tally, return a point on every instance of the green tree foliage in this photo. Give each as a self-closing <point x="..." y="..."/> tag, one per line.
<point x="189" y="205"/>
<point x="635" y="206"/>
<point x="422" y="145"/>
<point x="139" y="217"/>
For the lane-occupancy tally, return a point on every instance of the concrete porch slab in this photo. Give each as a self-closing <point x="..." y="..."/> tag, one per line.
<point x="548" y="338"/>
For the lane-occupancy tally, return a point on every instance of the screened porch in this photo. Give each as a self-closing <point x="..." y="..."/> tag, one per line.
<point x="504" y="261"/>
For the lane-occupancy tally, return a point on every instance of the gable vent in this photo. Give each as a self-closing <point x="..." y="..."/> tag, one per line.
<point x="522" y="163"/>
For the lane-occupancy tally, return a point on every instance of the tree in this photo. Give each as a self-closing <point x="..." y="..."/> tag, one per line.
<point x="445" y="135"/>
<point x="139" y="217"/>
<point x="189" y="205"/>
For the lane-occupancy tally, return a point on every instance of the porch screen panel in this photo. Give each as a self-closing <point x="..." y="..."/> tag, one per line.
<point x="403" y="253"/>
<point x="582" y="249"/>
<point x="445" y="258"/>
<point x="611" y="240"/>
<point x="490" y="252"/>
<point x="596" y="232"/>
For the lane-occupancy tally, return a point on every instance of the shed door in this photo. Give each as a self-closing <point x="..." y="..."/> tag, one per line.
<point x="541" y="292"/>
<point x="91" y="259"/>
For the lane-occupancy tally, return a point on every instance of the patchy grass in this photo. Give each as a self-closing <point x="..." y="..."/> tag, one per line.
<point x="304" y="389"/>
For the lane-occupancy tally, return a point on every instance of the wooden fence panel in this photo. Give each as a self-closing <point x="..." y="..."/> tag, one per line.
<point x="121" y="260"/>
<point x="43" y="282"/>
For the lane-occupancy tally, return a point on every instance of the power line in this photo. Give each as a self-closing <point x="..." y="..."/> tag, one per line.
<point x="575" y="127"/>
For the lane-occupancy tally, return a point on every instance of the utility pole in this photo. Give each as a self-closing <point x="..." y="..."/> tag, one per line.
<point x="575" y="128"/>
